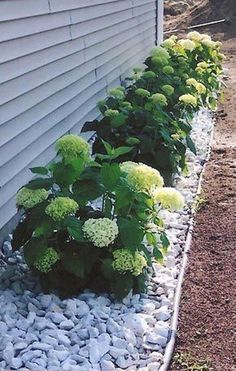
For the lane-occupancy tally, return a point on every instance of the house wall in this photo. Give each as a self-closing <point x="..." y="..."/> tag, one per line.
<point x="57" y="59"/>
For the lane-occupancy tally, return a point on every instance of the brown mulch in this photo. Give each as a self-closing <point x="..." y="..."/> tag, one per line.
<point x="207" y="323"/>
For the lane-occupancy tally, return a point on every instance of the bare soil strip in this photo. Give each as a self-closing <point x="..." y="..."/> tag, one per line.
<point x="207" y="327"/>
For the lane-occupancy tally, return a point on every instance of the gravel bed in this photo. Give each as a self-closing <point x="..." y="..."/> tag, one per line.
<point x="90" y="332"/>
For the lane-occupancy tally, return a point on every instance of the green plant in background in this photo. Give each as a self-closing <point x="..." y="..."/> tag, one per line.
<point x="153" y="114"/>
<point x="187" y="363"/>
<point x="85" y="223"/>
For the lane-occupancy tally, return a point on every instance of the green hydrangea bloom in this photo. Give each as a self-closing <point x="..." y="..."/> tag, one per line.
<point x="46" y="262"/>
<point x="111" y="113"/>
<point x="168" y="70"/>
<point x="203" y="65"/>
<point x="188" y="99"/>
<point x="209" y="43"/>
<point x="159" y="99"/>
<point x="187" y="44"/>
<point x="195" y="36"/>
<point x="159" y="61"/>
<point x="168" y="43"/>
<point x="169" y="198"/>
<point x="141" y="177"/>
<point x="28" y="198"/>
<point x="142" y="92"/>
<point x="126" y="105"/>
<point x="201" y="89"/>
<point x="117" y="93"/>
<point x="168" y="89"/>
<point x="101" y="104"/>
<point x="125" y="261"/>
<point x="71" y="147"/>
<point x="159" y="51"/>
<point x="101" y="232"/>
<point x="61" y="207"/>
<point x="149" y="75"/>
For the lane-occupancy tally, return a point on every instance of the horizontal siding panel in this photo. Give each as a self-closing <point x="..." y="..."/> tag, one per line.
<point x="33" y="61"/>
<point x="29" y="26"/>
<point x="91" y="12"/>
<point x="32" y="80"/>
<point x="62" y="5"/>
<point x="58" y="58"/>
<point x="15" y="9"/>
<point x="85" y="28"/>
<point x="26" y="45"/>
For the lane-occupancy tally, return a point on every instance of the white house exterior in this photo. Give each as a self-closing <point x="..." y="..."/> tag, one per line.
<point x="57" y="59"/>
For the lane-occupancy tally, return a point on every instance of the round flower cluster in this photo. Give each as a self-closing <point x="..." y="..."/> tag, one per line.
<point x="168" y="43"/>
<point x="126" y="105"/>
<point x="159" y="99"/>
<point x="201" y="89"/>
<point x="141" y="177"/>
<point x="188" y="99"/>
<point x="160" y="56"/>
<point x="169" y="198"/>
<point x="187" y="44"/>
<point x="117" y="93"/>
<point x="149" y="75"/>
<point x="101" y="232"/>
<point x="28" y="198"/>
<point x="49" y="258"/>
<point x="125" y="261"/>
<point x="71" y="147"/>
<point x="168" y="89"/>
<point x="111" y="113"/>
<point x="195" y="36"/>
<point x="159" y="51"/>
<point x="209" y="43"/>
<point x="142" y="92"/>
<point x="61" y="207"/>
<point x="168" y="70"/>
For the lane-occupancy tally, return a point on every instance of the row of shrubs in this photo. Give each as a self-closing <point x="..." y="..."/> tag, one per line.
<point x="94" y="221"/>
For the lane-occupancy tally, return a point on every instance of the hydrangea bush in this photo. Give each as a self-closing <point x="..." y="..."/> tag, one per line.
<point x="153" y="114"/>
<point x="84" y="223"/>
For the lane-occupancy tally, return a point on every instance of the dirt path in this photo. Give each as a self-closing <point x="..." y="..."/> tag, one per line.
<point x="207" y="326"/>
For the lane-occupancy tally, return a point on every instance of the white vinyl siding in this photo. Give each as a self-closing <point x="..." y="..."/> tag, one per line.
<point x="57" y="59"/>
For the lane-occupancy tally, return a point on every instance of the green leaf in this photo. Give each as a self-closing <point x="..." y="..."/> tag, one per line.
<point x="74" y="227"/>
<point x="40" y="183"/>
<point x="46" y="227"/>
<point x="39" y="170"/>
<point x="21" y="234"/>
<point x="73" y="264"/>
<point x="164" y="240"/>
<point x="190" y="144"/>
<point x="65" y="175"/>
<point x="107" y="146"/>
<point x="158" y="255"/>
<point x="121" y="284"/>
<point x="89" y="126"/>
<point x="107" y="268"/>
<point x="130" y="233"/>
<point x="110" y="175"/>
<point x="34" y="250"/>
<point x="121" y="151"/>
<point x="184" y="126"/>
<point x="118" y="120"/>
<point x="151" y="238"/>
<point x="108" y="207"/>
<point x="124" y="196"/>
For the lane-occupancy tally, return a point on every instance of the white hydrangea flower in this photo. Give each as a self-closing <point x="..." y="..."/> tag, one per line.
<point x="101" y="232"/>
